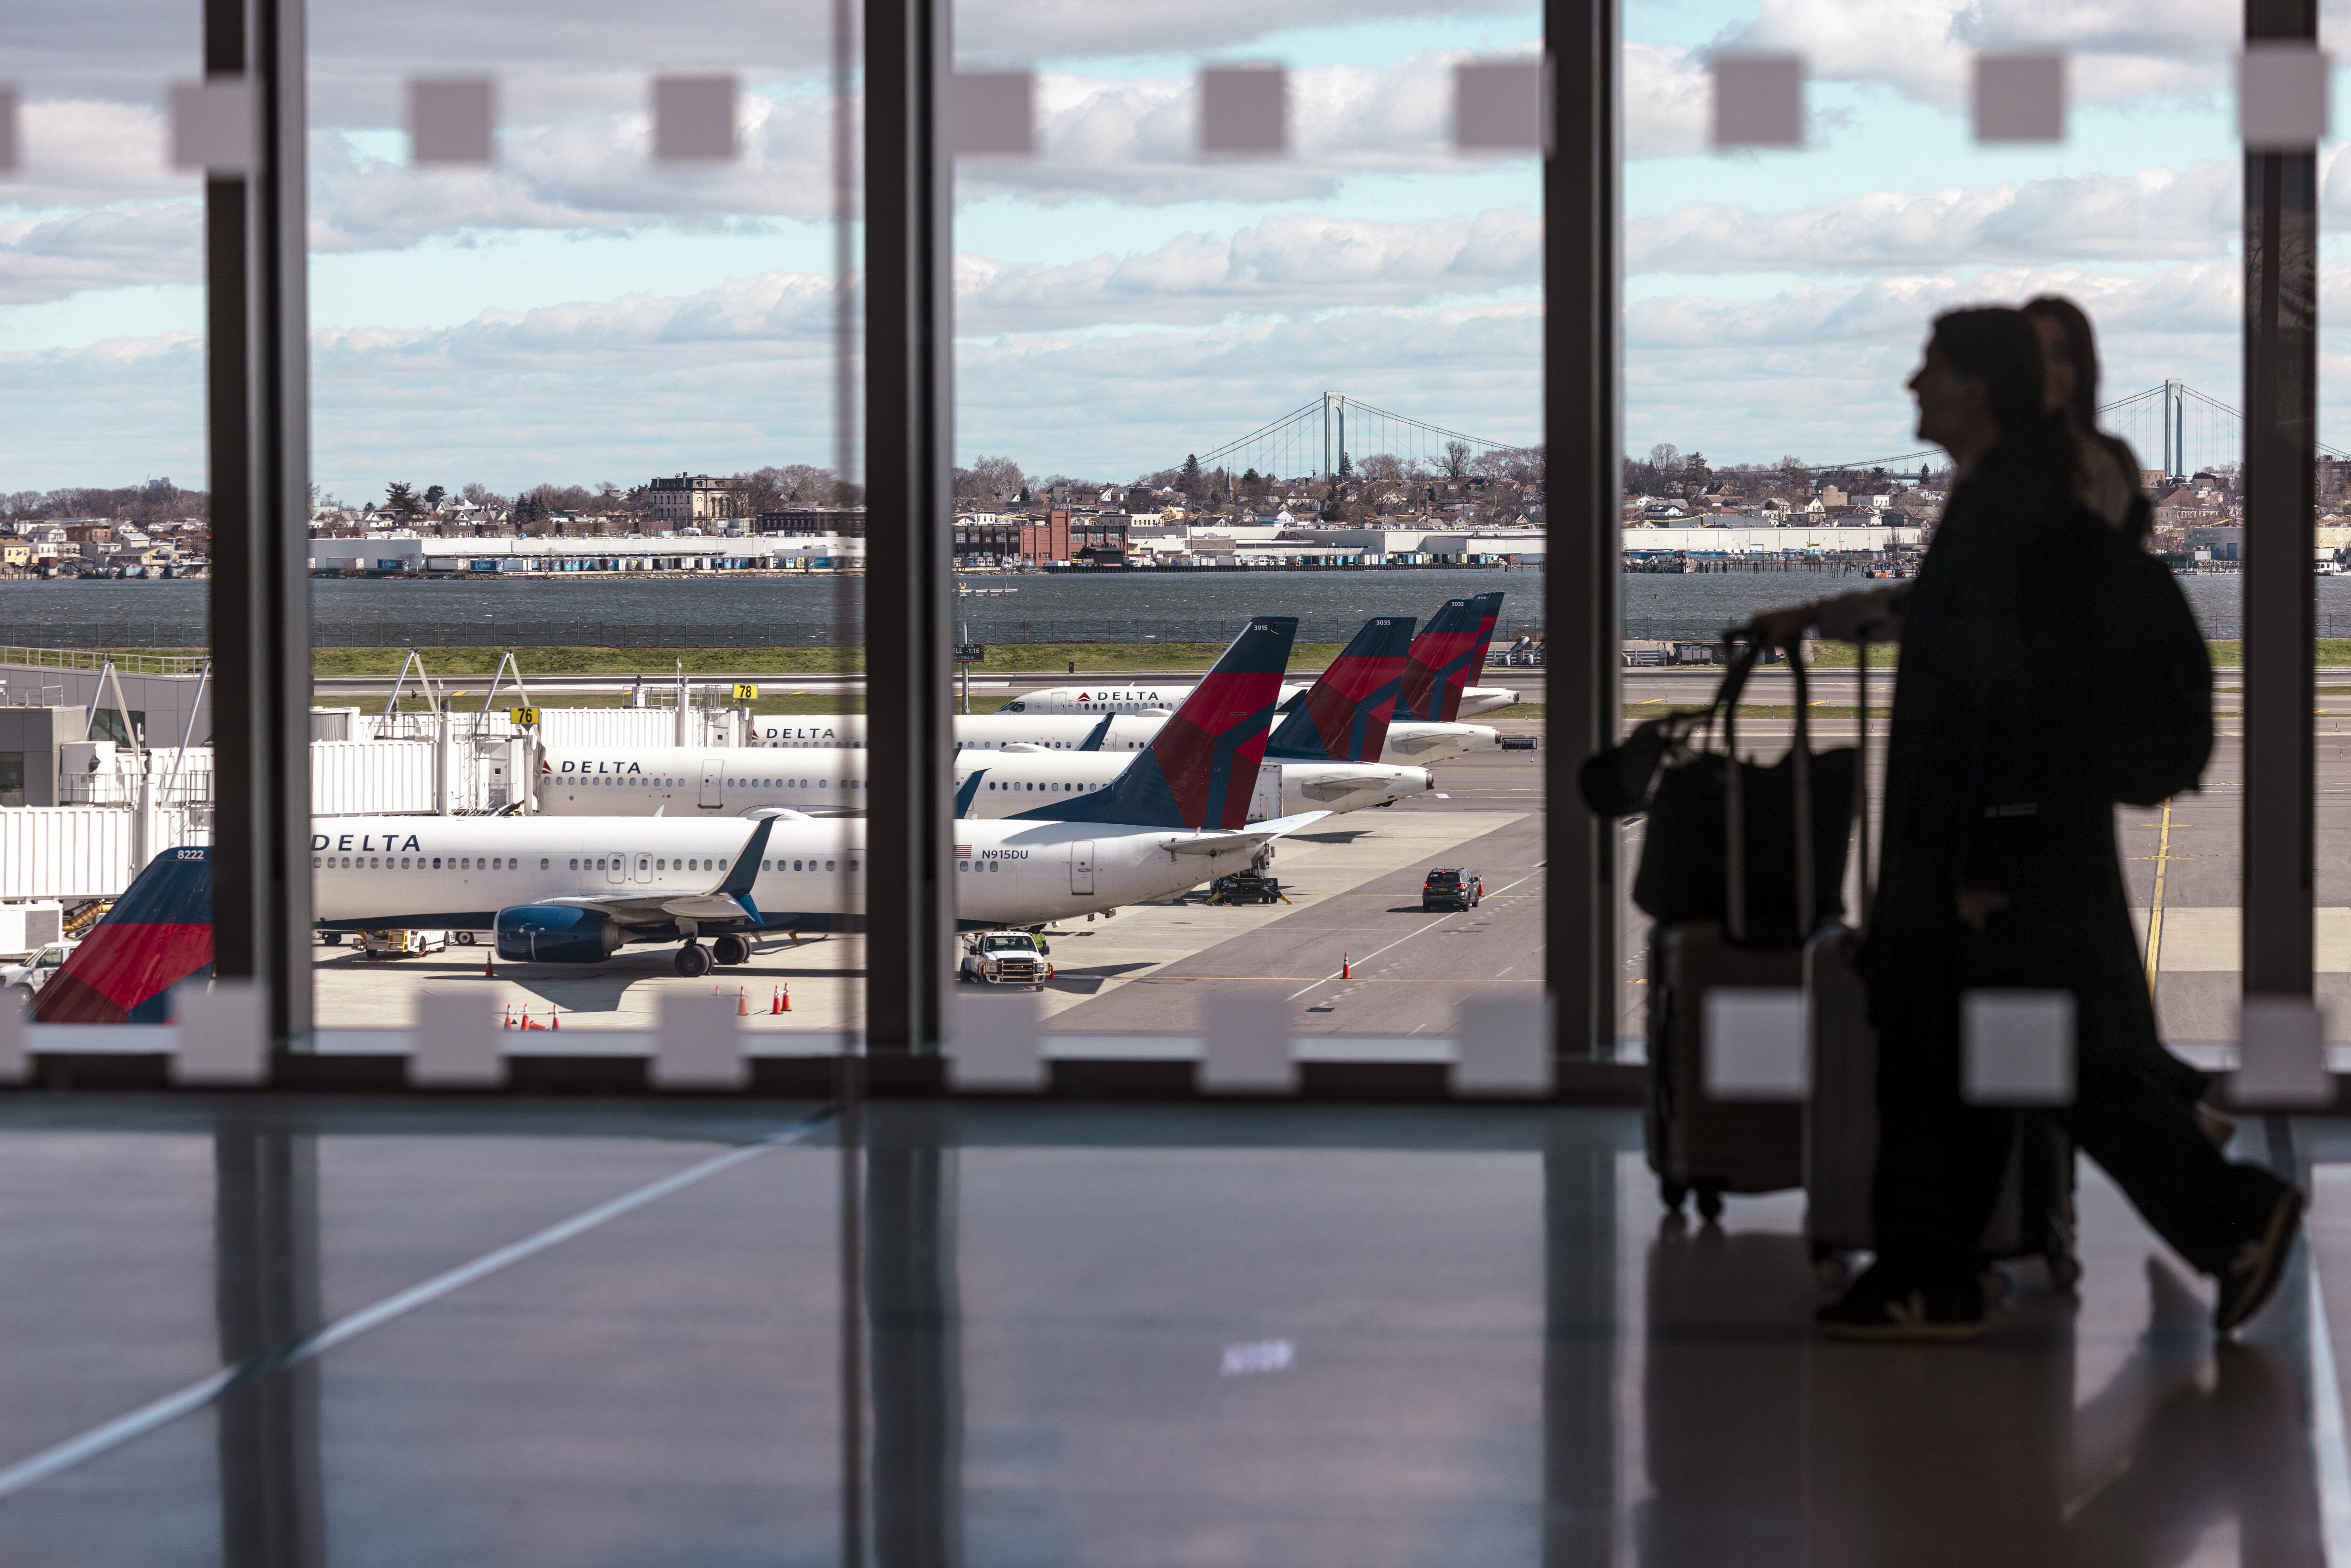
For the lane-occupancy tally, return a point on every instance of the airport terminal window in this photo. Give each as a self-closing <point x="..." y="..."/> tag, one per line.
<point x="1753" y="479"/>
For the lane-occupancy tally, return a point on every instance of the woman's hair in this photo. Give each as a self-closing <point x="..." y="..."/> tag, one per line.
<point x="2080" y="348"/>
<point x="2001" y="348"/>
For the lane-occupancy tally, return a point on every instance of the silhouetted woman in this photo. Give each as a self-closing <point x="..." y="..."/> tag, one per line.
<point x="1999" y="872"/>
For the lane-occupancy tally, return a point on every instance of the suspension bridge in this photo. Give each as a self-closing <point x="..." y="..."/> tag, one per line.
<point x="2171" y="424"/>
<point x="1328" y="437"/>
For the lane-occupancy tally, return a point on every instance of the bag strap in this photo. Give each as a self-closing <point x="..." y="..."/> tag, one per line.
<point x="1801" y="774"/>
<point x="1743" y="654"/>
<point x="1861" y="777"/>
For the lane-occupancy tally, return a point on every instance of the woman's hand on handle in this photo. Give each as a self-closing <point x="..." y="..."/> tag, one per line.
<point x="1783" y="629"/>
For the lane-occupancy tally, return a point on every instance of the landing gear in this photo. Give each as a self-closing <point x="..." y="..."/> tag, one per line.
<point x="693" y="960"/>
<point x="730" y="950"/>
<point x="465" y="938"/>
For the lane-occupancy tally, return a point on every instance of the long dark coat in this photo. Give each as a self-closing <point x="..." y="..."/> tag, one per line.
<point x="1990" y="784"/>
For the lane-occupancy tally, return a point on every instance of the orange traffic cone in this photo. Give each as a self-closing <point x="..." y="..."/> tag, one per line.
<point x="787" y="999"/>
<point x="489" y="965"/>
<point x="509" y="1019"/>
<point x="742" y="1004"/>
<point x="1347" y="969"/>
<point x="555" y="1021"/>
<point x="775" y="1000"/>
<point x="525" y="1017"/>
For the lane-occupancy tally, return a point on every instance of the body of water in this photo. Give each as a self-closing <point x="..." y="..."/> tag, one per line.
<point x="767" y="612"/>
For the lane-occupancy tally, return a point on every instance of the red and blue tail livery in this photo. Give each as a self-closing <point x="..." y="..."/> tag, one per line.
<point x="1345" y="715"/>
<point x="1447" y="654"/>
<point x="158" y="932"/>
<point x="1200" y="769"/>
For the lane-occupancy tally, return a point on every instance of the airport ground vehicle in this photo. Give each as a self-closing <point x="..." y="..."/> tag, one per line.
<point x="1245" y="887"/>
<point x="26" y="979"/>
<point x="1451" y="888"/>
<point x="1005" y="958"/>
<point x="402" y="943"/>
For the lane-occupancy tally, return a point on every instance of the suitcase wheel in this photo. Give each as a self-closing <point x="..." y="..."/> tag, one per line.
<point x="1672" y="1194"/>
<point x="2065" y="1270"/>
<point x="1709" y="1202"/>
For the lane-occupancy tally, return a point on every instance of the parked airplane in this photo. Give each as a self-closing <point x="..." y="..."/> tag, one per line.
<point x="575" y="890"/>
<point x="1436" y="687"/>
<point x="1460" y="655"/>
<point x="1404" y="743"/>
<point x="1022" y="780"/>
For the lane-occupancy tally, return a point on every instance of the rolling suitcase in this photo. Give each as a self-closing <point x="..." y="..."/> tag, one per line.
<point x="2032" y="1217"/>
<point x="1774" y="887"/>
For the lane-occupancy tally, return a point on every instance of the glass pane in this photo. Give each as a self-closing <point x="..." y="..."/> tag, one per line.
<point x="586" y="580"/>
<point x="1257" y="343"/>
<point x="1776" y="301"/>
<point x="105" y="498"/>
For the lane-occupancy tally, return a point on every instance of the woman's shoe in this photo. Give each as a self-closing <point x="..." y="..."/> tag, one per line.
<point x="2253" y="1274"/>
<point x="1880" y="1307"/>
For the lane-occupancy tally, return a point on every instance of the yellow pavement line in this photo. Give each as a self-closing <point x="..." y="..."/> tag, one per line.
<point x="2154" y="913"/>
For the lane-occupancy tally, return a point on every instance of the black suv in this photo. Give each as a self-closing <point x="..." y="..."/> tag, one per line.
<point x="1451" y="889"/>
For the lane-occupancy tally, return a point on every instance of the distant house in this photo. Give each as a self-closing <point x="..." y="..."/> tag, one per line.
<point x="694" y="498"/>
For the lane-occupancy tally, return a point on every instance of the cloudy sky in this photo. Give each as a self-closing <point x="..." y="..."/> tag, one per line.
<point x="576" y="314"/>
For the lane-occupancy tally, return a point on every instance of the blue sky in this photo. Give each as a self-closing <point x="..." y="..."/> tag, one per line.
<point x="577" y="315"/>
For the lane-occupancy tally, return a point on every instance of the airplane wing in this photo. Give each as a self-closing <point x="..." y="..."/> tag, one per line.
<point x="1246" y="837"/>
<point x="730" y="900"/>
<point x="1341" y="789"/>
<point x="1411" y="744"/>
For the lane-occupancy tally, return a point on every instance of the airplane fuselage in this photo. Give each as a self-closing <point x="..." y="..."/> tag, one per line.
<point x="1409" y="744"/>
<point x="728" y="782"/>
<point x="458" y="873"/>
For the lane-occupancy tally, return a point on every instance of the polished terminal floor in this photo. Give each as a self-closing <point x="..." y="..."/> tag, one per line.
<point x="1132" y="1336"/>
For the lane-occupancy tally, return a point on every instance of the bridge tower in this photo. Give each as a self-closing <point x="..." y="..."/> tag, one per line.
<point x="2175" y="430"/>
<point x="1335" y="433"/>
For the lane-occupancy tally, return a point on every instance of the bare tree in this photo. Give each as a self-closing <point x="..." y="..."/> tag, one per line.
<point x="1456" y="460"/>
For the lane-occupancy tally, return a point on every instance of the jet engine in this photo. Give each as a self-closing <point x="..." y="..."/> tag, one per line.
<point x="555" y="933"/>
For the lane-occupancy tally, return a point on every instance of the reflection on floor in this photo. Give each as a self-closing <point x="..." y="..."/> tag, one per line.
<point x="1149" y="1336"/>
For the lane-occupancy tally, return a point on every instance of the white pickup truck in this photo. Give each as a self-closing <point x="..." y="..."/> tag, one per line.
<point x="1005" y="958"/>
<point x="26" y="978"/>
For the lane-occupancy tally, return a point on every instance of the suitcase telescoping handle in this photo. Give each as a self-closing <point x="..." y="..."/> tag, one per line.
<point x="1861" y="775"/>
<point x="1744" y="652"/>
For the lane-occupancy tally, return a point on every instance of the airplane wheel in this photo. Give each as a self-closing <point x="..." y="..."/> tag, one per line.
<point x="465" y="938"/>
<point x="693" y="960"/>
<point x="331" y="938"/>
<point x="731" y="950"/>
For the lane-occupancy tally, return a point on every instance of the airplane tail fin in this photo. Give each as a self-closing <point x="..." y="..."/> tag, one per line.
<point x="1200" y="769"/>
<point x="1344" y="716"/>
<point x="1446" y="656"/>
<point x="158" y="932"/>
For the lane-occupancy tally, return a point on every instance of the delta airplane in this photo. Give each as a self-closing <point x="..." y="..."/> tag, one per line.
<point x="1405" y="743"/>
<point x="1302" y="769"/>
<point x="1442" y="698"/>
<point x="577" y="890"/>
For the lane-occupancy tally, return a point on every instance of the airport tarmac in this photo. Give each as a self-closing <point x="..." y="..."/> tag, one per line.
<point x="1353" y="887"/>
<point x="2181" y="862"/>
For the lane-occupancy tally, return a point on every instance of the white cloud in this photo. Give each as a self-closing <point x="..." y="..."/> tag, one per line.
<point x="1925" y="47"/>
<point x="2155" y="215"/>
<point x="1288" y="262"/>
<point x="1819" y="371"/>
<point x="132" y="243"/>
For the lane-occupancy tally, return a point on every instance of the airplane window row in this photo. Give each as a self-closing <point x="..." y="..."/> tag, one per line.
<point x="966" y="865"/>
<point x="663" y="783"/>
<point x="796" y="865"/>
<point x="1050" y="789"/>
<point x="420" y="862"/>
